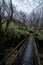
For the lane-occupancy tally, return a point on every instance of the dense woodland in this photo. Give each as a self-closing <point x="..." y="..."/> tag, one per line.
<point x="15" y="26"/>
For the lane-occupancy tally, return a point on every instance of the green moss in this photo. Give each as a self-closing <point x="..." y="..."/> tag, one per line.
<point x="15" y="29"/>
<point x="39" y="34"/>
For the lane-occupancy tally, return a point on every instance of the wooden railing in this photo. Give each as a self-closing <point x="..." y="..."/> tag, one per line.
<point x="36" y="55"/>
<point x="14" y="54"/>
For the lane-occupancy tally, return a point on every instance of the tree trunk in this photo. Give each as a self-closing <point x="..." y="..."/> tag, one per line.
<point x="1" y="44"/>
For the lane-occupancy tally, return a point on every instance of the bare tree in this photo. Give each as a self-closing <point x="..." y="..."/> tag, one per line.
<point x="9" y="9"/>
<point x="23" y="17"/>
<point x="1" y="17"/>
<point x="11" y="14"/>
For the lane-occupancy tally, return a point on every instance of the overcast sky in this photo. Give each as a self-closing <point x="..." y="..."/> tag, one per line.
<point x="26" y="5"/>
